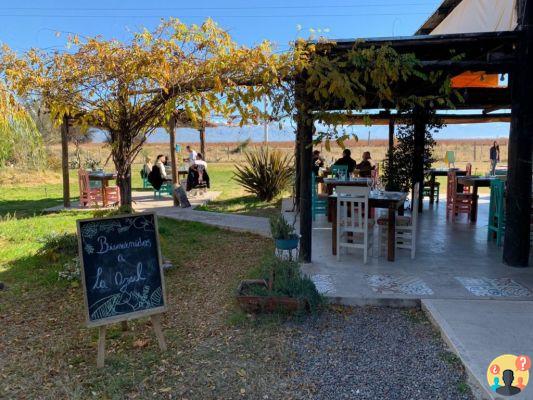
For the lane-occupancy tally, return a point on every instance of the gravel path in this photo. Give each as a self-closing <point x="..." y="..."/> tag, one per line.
<point x="373" y="353"/>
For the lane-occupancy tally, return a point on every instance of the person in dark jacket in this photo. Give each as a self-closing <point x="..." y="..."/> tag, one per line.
<point x="365" y="167"/>
<point x="347" y="160"/>
<point x="198" y="178"/>
<point x="494" y="157"/>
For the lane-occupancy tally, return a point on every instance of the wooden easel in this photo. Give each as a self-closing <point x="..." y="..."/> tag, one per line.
<point x="156" y="325"/>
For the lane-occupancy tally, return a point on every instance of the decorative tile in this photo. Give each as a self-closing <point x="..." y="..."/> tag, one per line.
<point x="387" y="284"/>
<point x="323" y="283"/>
<point x="500" y="287"/>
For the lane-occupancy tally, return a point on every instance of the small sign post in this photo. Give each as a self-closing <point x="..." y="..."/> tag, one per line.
<point x="122" y="275"/>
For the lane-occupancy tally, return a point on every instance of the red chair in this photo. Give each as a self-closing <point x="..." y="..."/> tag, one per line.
<point x="457" y="203"/>
<point x="466" y="189"/>
<point x="88" y="195"/>
<point x="112" y="195"/>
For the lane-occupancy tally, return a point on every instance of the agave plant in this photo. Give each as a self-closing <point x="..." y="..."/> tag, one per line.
<point x="265" y="173"/>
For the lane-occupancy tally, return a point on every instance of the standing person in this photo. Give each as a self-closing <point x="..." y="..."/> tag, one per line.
<point x="347" y="160"/>
<point x="192" y="156"/>
<point x="318" y="162"/>
<point x="366" y="166"/>
<point x="494" y="157"/>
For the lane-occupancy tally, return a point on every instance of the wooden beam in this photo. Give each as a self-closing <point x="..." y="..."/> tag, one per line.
<point x="516" y="247"/>
<point x="304" y="133"/>
<point x="171" y="129"/>
<point x="420" y="119"/>
<point x="390" y="153"/>
<point x="64" y="161"/>
<point x="447" y="119"/>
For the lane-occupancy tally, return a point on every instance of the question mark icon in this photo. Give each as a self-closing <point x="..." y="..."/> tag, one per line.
<point x="523" y="363"/>
<point x="495" y="369"/>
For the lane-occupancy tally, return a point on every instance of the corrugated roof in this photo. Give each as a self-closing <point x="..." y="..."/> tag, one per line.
<point x="438" y="16"/>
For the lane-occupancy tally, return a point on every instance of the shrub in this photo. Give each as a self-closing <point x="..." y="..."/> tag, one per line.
<point x="55" y="244"/>
<point x="266" y="173"/>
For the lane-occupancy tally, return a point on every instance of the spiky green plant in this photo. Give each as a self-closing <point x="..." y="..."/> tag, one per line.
<point x="265" y="173"/>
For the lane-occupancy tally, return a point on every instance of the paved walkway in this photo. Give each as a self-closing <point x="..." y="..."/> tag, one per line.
<point x="478" y="331"/>
<point x="233" y="222"/>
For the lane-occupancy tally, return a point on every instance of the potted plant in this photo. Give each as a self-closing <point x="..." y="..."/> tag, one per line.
<point x="282" y="288"/>
<point x="283" y="233"/>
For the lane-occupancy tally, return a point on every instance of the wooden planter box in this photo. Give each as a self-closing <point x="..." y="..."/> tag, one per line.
<point x="266" y="304"/>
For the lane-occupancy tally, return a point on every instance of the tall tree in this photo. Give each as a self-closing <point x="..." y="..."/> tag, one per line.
<point x="128" y="89"/>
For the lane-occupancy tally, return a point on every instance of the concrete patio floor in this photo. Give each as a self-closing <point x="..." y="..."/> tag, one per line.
<point x="453" y="261"/>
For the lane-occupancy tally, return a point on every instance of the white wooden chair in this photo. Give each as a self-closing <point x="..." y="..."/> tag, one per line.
<point x="405" y="232"/>
<point x="354" y="227"/>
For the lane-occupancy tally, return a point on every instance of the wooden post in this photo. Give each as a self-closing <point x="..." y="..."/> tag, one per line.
<point x="420" y="117"/>
<point x="156" y="324"/>
<point x="101" y="346"/>
<point x="64" y="161"/>
<point x="305" y="140"/>
<point x="390" y="153"/>
<point x="171" y="128"/>
<point x="202" y="142"/>
<point x="516" y="246"/>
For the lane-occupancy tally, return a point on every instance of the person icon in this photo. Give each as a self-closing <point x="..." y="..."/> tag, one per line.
<point x="508" y="389"/>
<point x="520" y="383"/>
<point x="496" y="383"/>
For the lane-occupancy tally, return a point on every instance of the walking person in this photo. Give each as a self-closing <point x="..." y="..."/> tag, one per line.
<point x="494" y="157"/>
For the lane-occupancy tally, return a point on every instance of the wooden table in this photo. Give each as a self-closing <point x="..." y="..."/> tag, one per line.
<point x="439" y="172"/>
<point x="331" y="183"/>
<point x="476" y="182"/>
<point x="104" y="179"/>
<point x="392" y="201"/>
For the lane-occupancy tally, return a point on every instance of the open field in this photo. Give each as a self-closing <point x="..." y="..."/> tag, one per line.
<point x="473" y="151"/>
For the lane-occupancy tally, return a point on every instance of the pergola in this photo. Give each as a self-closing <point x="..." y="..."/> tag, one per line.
<point x="508" y="52"/>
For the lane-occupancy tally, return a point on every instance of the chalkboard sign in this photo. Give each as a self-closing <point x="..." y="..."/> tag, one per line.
<point x="121" y="268"/>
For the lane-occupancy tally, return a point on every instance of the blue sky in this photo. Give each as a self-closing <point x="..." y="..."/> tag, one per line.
<point x="45" y="24"/>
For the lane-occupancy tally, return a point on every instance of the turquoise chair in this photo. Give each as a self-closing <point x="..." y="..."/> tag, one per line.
<point x="144" y="178"/>
<point x="166" y="188"/>
<point x="318" y="206"/>
<point x="335" y="169"/>
<point x="497" y="211"/>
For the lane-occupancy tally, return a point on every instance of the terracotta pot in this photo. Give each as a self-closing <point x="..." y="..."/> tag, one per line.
<point x="266" y="304"/>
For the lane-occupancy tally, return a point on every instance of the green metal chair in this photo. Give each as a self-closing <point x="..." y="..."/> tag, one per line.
<point x="144" y="178"/>
<point x="166" y="188"/>
<point x="496" y="226"/>
<point x="318" y="206"/>
<point x="335" y="169"/>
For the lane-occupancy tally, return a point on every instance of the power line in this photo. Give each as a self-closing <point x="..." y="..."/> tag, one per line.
<point x="207" y="15"/>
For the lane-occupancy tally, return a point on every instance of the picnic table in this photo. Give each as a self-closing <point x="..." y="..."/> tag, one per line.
<point x="392" y="201"/>
<point x="476" y="182"/>
<point x="439" y="172"/>
<point x="103" y="178"/>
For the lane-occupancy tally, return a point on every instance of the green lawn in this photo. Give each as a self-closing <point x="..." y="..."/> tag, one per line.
<point x="27" y="200"/>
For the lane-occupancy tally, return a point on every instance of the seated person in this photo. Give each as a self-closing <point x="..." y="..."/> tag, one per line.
<point x="366" y="166"/>
<point x="147" y="167"/>
<point x="347" y="160"/>
<point x="318" y="162"/>
<point x="198" y="176"/>
<point x="158" y="176"/>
